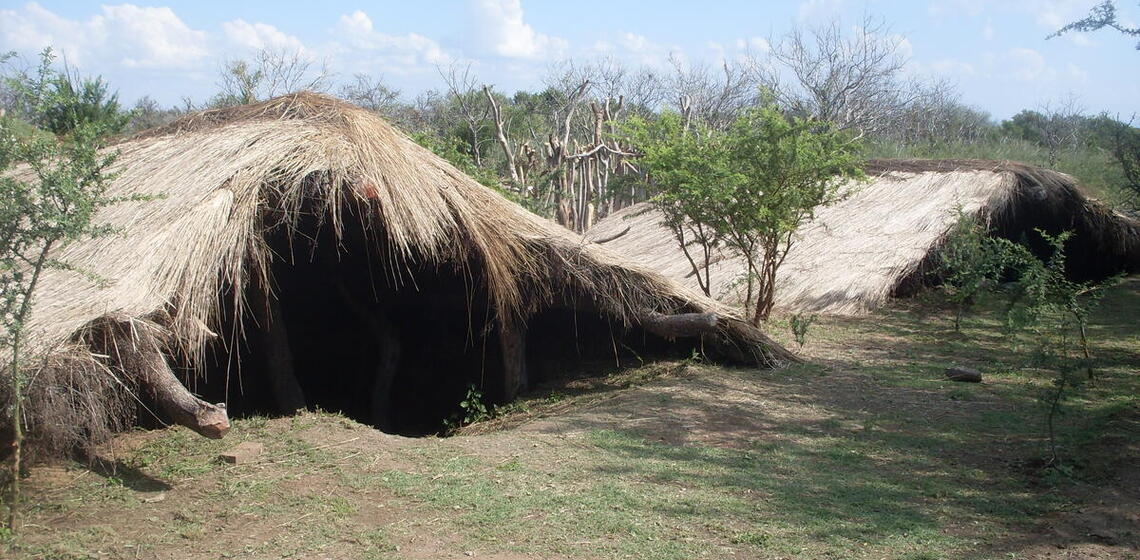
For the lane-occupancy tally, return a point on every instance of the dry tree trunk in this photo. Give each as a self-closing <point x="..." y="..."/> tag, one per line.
<point x="138" y="353"/>
<point x="501" y="135"/>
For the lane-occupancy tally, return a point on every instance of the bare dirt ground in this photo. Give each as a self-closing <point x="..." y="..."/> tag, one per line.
<point x="864" y="453"/>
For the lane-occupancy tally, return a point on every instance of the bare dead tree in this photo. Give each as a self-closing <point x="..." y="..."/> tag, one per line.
<point x="465" y="98"/>
<point x="936" y="114"/>
<point x="711" y="98"/>
<point x="502" y="127"/>
<point x="558" y="147"/>
<point x="1060" y="126"/>
<point x="372" y="94"/>
<point x="643" y="91"/>
<point x="287" y="71"/>
<point x="271" y="72"/>
<point x="854" y="81"/>
<point x="147" y="113"/>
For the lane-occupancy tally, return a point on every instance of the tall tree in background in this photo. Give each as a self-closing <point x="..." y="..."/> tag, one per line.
<point x="269" y="73"/>
<point x="854" y="81"/>
<point x="1053" y="126"/>
<point x="61" y="102"/>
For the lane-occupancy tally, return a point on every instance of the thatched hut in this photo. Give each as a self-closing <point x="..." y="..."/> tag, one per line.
<point x="879" y="240"/>
<point x="302" y="252"/>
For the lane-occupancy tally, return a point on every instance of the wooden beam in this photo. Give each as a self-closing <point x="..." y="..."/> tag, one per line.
<point x="276" y="355"/>
<point x="682" y="325"/>
<point x="512" y="340"/>
<point x="387" y="365"/>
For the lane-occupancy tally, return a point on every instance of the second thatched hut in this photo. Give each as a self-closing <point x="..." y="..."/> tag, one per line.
<point x="879" y="241"/>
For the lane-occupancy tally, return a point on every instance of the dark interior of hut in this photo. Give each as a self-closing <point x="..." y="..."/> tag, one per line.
<point x="1092" y="251"/>
<point x="393" y="343"/>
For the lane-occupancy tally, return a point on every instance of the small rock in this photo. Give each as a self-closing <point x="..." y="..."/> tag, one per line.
<point x="154" y="499"/>
<point x="245" y="452"/>
<point x="965" y="374"/>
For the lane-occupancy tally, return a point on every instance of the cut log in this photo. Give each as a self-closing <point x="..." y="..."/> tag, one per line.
<point x="140" y="357"/>
<point x="512" y="340"/>
<point x="276" y="356"/>
<point x="682" y="325"/>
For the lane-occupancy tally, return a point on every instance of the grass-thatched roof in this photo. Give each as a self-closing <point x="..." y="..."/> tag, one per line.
<point x="857" y="253"/>
<point x="222" y="179"/>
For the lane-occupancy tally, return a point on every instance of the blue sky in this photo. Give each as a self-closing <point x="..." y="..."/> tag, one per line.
<point x="995" y="51"/>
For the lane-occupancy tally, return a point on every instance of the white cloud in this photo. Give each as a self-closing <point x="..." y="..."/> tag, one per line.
<point x="642" y="50"/>
<point x="257" y="36"/>
<point x="602" y="46"/>
<point x="1076" y="74"/>
<point x="392" y="53"/>
<point x="989" y="32"/>
<point x="500" y="29"/>
<point x="1026" y="65"/>
<point x="133" y="36"/>
<point x="1055" y="14"/>
<point x="903" y="46"/>
<point x="944" y="8"/>
<point x="155" y="36"/>
<point x="819" y="9"/>
<point x="755" y="44"/>
<point x="950" y="67"/>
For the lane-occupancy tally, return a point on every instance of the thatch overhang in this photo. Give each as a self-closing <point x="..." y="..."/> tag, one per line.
<point x="301" y="243"/>
<point x="877" y="242"/>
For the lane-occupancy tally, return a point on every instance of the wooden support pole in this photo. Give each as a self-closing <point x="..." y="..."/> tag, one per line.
<point x="512" y="340"/>
<point x="386" y="350"/>
<point x="387" y="365"/>
<point x="277" y="358"/>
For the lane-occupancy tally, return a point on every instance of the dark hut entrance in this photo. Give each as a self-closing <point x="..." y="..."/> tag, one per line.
<point x="390" y="342"/>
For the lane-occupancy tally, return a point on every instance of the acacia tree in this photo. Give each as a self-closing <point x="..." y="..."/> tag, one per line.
<point x="1100" y="16"/>
<point x="748" y="188"/>
<point x="689" y="172"/>
<point x="68" y="185"/>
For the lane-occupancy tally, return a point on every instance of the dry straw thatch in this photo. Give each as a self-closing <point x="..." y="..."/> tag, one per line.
<point x="224" y="178"/>
<point x="857" y="253"/>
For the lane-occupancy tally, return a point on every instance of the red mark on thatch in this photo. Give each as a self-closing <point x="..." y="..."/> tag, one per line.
<point x="370" y="191"/>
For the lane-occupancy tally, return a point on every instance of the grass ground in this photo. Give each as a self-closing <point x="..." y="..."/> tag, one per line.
<point x="865" y="451"/>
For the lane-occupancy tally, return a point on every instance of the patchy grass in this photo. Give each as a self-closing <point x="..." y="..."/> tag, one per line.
<point x="866" y="451"/>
